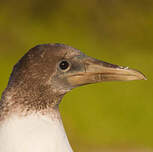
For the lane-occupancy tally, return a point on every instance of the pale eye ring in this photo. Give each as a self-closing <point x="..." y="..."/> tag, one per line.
<point x="64" y="65"/>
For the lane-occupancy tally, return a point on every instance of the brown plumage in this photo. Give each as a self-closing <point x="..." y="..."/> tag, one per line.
<point x="31" y="87"/>
<point x="36" y="86"/>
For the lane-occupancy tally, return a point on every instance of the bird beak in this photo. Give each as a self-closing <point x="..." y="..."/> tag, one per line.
<point x="99" y="71"/>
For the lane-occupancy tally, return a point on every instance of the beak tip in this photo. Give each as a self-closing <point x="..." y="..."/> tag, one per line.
<point x="142" y="77"/>
<point x="137" y="74"/>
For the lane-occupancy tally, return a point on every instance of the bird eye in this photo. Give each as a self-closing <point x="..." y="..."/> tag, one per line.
<point x="64" y="65"/>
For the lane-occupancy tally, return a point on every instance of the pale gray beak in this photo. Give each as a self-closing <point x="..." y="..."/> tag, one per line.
<point x="99" y="71"/>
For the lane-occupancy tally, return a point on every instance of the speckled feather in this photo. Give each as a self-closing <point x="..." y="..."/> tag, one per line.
<point x="30" y="88"/>
<point x="29" y="113"/>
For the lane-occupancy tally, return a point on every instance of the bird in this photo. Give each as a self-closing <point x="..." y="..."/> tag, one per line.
<point x="30" y="120"/>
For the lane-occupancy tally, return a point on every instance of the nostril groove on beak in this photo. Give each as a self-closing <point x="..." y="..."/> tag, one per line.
<point x="85" y="68"/>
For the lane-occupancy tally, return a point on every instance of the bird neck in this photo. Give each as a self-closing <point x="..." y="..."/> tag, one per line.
<point x="40" y="128"/>
<point x="17" y="98"/>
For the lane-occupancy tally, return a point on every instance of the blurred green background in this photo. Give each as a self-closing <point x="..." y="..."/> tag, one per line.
<point x="115" y="116"/>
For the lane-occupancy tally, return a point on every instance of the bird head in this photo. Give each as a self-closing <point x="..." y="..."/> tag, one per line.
<point x="56" y="69"/>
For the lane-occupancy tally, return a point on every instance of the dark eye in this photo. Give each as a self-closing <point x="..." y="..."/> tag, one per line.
<point x="64" y="65"/>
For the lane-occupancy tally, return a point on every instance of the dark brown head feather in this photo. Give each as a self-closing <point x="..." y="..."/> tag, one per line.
<point x="42" y="77"/>
<point x="31" y="86"/>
